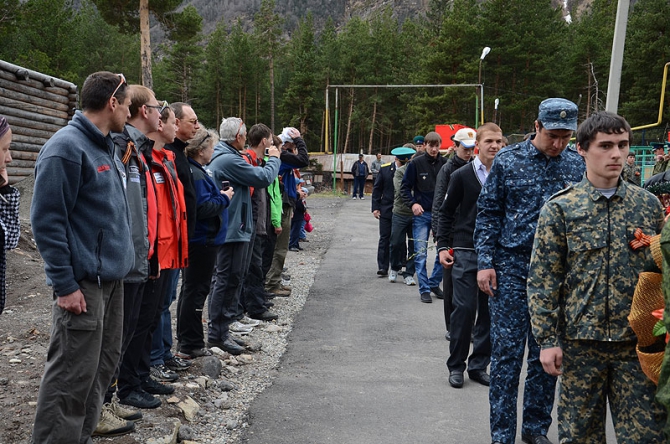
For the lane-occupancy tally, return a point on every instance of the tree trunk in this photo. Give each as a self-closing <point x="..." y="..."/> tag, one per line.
<point x="272" y="93"/>
<point x="372" y="125"/>
<point x="145" y="43"/>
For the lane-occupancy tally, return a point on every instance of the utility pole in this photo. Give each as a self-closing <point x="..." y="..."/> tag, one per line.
<point x="616" y="62"/>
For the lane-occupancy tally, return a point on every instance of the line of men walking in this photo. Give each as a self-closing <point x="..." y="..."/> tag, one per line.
<point x="532" y="236"/>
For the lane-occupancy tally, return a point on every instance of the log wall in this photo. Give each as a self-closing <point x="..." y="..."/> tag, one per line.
<point x="36" y="106"/>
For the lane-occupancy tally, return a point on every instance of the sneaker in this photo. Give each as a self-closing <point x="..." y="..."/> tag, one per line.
<point x="409" y="280"/>
<point x="154" y="387"/>
<point x="425" y="297"/>
<point x="240" y="328"/>
<point x="141" y="400"/>
<point x="111" y="425"/>
<point x="124" y="413"/>
<point x="162" y="373"/>
<point x="354" y="198"/>
<point x="246" y="320"/>
<point x="362" y="198"/>
<point x="192" y="354"/>
<point x="177" y="365"/>
<point x="266" y="316"/>
<point x="393" y="275"/>
<point x="294" y="249"/>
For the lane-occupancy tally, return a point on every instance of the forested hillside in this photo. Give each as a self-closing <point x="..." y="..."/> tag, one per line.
<point x="271" y="62"/>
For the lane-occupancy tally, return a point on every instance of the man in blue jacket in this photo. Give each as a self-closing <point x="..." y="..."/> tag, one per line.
<point x="232" y="264"/>
<point x="81" y="223"/>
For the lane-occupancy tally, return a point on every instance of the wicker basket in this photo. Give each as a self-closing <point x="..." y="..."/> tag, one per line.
<point x="650" y="363"/>
<point x="656" y="251"/>
<point x="648" y="297"/>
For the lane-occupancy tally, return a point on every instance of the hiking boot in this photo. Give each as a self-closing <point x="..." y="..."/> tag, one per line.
<point x="124" y="413"/>
<point x="111" y="425"/>
<point x="141" y="400"/>
<point x="156" y="388"/>
<point x="162" y="373"/>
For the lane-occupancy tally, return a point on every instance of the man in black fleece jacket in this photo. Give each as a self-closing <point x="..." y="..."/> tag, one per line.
<point x="417" y="191"/>
<point x="464" y="141"/>
<point x="456" y="221"/>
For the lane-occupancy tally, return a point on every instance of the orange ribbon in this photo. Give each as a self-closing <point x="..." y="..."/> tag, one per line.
<point x="641" y="240"/>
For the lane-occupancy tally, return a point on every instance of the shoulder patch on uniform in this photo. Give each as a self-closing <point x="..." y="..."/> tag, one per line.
<point x="562" y="192"/>
<point x="386" y="164"/>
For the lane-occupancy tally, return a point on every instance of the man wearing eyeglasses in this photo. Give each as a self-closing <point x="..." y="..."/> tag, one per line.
<point x="187" y="126"/>
<point x="81" y="223"/>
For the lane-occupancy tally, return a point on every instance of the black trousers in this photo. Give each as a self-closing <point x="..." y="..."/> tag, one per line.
<point x="383" y="256"/>
<point x="224" y="299"/>
<point x="253" y="293"/>
<point x="135" y="363"/>
<point x="132" y="301"/>
<point x="469" y="303"/>
<point x="196" y="286"/>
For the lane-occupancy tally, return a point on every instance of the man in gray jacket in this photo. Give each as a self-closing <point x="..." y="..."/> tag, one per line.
<point x="232" y="263"/>
<point x="81" y="224"/>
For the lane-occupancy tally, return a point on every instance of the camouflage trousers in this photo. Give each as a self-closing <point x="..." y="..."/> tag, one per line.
<point x="598" y="372"/>
<point x="510" y="335"/>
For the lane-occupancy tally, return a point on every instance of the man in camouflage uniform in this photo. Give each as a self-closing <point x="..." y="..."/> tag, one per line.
<point x="581" y="282"/>
<point x="631" y="172"/>
<point x="522" y="179"/>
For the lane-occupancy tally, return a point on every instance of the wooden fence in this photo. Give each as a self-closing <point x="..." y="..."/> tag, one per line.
<point x="36" y="106"/>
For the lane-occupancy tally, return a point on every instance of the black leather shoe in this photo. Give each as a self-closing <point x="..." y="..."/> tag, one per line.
<point x="381" y="272"/>
<point x="447" y="336"/>
<point x="480" y="376"/>
<point x="266" y="316"/>
<point x="425" y="297"/>
<point x="456" y="379"/>
<point x="535" y="439"/>
<point x="437" y="291"/>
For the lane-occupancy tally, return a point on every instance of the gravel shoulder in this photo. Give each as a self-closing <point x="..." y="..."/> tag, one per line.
<point x="222" y="403"/>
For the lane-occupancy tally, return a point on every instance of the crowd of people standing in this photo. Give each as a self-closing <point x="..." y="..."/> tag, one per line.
<point x="132" y="194"/>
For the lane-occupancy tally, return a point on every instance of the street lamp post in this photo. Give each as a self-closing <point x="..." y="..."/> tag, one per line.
<point x="495" y="111"/>
<point x="480" y="114"/>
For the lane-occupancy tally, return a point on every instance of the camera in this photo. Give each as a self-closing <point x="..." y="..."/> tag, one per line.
<point x="225" y="185"/>
<point x="267" y="151"/>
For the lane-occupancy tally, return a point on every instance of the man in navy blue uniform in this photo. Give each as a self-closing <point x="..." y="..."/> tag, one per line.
<point x="522" y="179"/>
<point x="382" y="209"/>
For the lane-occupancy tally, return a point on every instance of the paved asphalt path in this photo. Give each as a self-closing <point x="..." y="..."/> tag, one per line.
<point x="366" y="360"/>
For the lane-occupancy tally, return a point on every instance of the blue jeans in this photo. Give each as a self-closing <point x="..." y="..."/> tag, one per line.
<point x="421" y="232"/>
<point x="161" y="342"/>
<point x="359" y="185"/>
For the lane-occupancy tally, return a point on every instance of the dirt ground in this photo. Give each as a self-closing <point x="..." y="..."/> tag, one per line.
<point x="24" y="339"/>
<point x="24" y="331"/>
